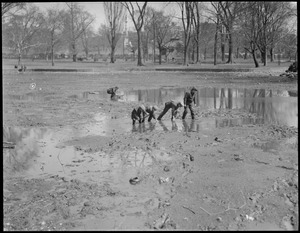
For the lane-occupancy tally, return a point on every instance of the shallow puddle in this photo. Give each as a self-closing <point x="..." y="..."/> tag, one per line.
<point x="271" y="106"/>
<point x="106" y="126"/>
<point x="40" y="152"/>
<point x="279" y="107"/>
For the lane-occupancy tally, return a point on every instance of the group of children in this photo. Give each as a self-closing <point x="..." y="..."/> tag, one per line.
<point x="141" y="112"/>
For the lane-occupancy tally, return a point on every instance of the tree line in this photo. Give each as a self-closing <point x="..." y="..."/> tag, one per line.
<point x="197" y="29"/>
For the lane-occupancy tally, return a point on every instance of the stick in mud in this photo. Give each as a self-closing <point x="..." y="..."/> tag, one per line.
<point x="228" y="208"/>
<point x="60" y="162"/>
<point x="189" y="209"/>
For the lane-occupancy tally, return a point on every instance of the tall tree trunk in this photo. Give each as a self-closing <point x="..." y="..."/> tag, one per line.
<point x="230" y="49"/>
<point x="216" y="42"/>
<point x="223" y="46"/>
<point x="198" y="52"/>
<point x="146" y="50"/>
<point x="271" y="55"/>
<point x="264" y="56"/>
<point x="237" y="52"/>
<point x="154" y="36"/>
<point x="139" y="63"/>
<point x="52" y="55"/>
<point x="74" y="52"/>
<point x="185" y="52"/>
<point x="193" y="54"/>
<point x="159" y="56"/>
<point x="254" y="58"/>
<point x="246" y="54"/>
<point x="205" y="53"/>
<point x="112" y="54"/>
<point x="19" y="59"/>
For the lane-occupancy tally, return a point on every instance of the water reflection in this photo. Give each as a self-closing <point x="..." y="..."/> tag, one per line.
<point x="192" y="127"/>
<point x="238" y="122"/>
<point x="141" y="128"/>
<point x="272" y="106"/>
<point x="279" y="107"/>
<point x="26" y="149"/>
<point x="36" y="150"/>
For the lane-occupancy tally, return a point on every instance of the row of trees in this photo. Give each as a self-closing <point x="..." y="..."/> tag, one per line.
<point x="30" y="29"/>
<point x="255" y="28"/>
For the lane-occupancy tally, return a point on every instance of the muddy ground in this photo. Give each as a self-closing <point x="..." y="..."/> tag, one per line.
<point x="207" y="179"/>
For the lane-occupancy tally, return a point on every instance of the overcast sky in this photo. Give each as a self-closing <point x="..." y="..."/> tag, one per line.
<point x="96" y="9"/>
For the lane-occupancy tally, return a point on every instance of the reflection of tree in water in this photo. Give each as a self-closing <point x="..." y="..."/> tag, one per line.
<point x="237" y="122"/>
<point x="158" y="96"/>
<point x="21" y="158"/>
<point x="223" y="99"/>
<point x="263" y="107"/>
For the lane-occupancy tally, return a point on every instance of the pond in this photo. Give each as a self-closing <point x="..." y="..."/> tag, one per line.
<point x="274" y="107"/>
<point x="43" y="153"/>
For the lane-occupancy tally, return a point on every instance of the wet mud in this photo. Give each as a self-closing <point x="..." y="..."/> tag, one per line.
<point x="74" y="161"/>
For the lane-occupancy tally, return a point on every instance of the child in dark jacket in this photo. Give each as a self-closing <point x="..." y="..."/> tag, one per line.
<point x="140" y="113"/>
<point x="188" y="100"/>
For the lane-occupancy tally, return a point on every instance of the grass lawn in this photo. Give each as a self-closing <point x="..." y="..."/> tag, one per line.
<point x="121" y="65"/>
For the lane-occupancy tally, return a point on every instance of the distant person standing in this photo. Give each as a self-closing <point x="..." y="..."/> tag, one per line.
<point x="174" y="106"/>
<point x="189" y="98"/>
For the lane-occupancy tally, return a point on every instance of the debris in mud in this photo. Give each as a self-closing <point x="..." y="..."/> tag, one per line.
<point x="134" y="180"/>
<point x="282" y="131"/>
<point x="217" y="139"/>
<point x="248" y="217"/>
<point x="166" y="180"/>
<point x="190" y="157"/>
<point x="9" y="145"/>
<point x="166" y="169"/>
<point x="160" y="223"/>
<point x="164" y="204"/>
<point x="189" y="209"/>
<point x="236" y="157"/>
<point x="287" y="223"/>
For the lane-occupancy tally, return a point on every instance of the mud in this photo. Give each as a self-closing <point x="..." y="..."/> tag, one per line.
<point x="234" y="168"/>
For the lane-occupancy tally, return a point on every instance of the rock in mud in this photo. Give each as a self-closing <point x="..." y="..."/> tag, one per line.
<point x="166" y="169"/>
<point x="134" y="180"/>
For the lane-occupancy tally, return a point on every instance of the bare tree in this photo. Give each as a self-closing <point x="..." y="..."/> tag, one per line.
<point x="214" y="15"/>
<point x="262" y="26"/>
<point x="273" y="20"/>
<point x="103" y="43"/>
<point x="79" y="21"/>
<point x="150" y="26"/>
<point x="114" y="12"/>
<point x="207" y="37"/>
<point x="137" y="16"/>
<point x="228" y="15"/>
<point x="186" y="18"/>
<point x="196" y="12"/>
<point x="166" y="32"/>
<point x="21" y="29"/>
<point x="250" y="30"/>
<point x="54" y="26"/>
<point x="87" y="31"/>
<point x="149" y="19"/>
<point x="8" y="6"/>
